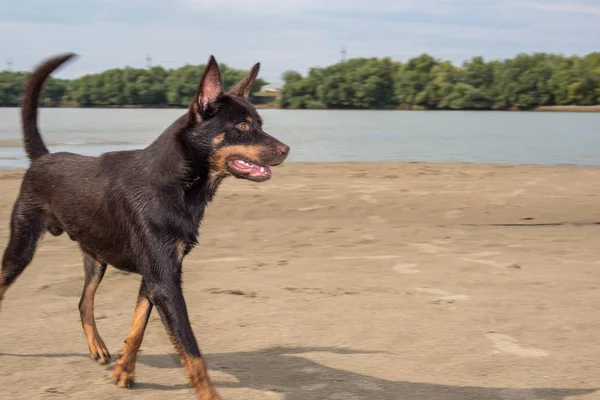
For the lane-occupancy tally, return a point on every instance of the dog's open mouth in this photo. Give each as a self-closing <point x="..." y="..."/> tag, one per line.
<point x="249" y="170"/>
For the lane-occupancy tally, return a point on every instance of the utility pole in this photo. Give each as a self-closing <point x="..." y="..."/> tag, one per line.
<point x="148" y="61"/>
<point x="344" y="53"/>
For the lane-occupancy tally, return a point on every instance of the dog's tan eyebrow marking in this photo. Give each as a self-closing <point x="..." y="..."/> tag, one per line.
<point x="249" y="119"/>
<point x="218" y="139"/>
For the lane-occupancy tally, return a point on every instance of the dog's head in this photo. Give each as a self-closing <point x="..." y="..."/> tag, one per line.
<point x="227" y="127"/>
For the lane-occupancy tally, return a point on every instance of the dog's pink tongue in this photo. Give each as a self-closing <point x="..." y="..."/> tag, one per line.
<point x="260" y="171"/>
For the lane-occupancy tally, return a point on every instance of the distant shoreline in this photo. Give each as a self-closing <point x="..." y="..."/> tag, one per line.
<point x="595" y="108"/>
<point x="563" y="108"/>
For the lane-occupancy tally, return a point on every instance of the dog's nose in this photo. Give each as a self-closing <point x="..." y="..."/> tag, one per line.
<point x="283" y="149"/>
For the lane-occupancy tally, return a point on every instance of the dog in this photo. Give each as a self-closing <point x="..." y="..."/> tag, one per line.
<point x="139" y="210"/>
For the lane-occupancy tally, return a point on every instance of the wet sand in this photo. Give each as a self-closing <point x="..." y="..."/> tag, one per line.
<point x="345" y="282"/>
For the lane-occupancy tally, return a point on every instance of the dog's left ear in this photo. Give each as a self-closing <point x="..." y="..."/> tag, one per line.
<point x="209" y="92"/>
<point x="242" y="88"/>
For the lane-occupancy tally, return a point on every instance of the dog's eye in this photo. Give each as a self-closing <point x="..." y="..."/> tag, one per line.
<point x="243" y="126"/>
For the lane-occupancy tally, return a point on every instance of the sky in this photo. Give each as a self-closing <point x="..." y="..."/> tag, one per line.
<point x="287" y="34"/>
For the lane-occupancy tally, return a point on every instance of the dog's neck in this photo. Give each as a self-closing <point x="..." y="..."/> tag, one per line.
<point x="175" y="167"/>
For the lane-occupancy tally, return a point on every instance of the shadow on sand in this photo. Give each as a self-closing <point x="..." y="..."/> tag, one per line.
<point x="285" y="371"/>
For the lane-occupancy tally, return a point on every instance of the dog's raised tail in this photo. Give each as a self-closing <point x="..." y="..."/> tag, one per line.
<point x="34" y="144"/>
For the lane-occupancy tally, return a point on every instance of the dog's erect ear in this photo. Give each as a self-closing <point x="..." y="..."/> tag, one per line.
<point x="242" y="88"/>
<point x="209" y="92"/>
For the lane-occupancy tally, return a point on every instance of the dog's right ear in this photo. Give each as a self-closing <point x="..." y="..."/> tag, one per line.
<point x="205" y="102"/>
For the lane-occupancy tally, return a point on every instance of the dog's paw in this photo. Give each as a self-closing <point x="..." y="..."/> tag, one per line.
<point x="98" y="351"/>
<point x="123" y="374"/>
<point x="208" y="395"/>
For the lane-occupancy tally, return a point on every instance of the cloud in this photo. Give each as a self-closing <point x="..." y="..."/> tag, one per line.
<point x="575" y="8"/>
<point x="284" y="34"/>
<point x="284" y="6"/>
<point x="289" y="8"/>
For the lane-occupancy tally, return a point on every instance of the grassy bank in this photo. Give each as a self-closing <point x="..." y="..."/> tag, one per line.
<point x="569" y="108"/>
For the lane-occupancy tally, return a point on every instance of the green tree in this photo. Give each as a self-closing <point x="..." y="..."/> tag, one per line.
<point x="414" y="83"/>
<point x="524" y="81"/>
<point x="11" y="86"/>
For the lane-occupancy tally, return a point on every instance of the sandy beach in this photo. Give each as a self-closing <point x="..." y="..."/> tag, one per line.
<point x="345" y="281"/>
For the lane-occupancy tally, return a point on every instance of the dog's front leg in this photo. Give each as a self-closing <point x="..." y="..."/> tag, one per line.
<point x="167" y="296"/>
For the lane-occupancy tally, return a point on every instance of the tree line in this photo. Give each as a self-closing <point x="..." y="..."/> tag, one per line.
<point x="153" y="86"/>
<point x="523" y="82"/>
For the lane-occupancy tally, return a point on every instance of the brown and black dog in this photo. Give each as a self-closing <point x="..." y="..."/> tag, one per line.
<point x="140" y="210"/>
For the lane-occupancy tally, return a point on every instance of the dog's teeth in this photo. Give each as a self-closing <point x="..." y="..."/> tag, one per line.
<point x="262" y="169"/>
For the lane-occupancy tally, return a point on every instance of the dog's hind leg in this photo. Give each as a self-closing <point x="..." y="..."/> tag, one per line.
<point x="26" y="227"/>
<point x="94" y="272"/>
<point x="125" y="366"/>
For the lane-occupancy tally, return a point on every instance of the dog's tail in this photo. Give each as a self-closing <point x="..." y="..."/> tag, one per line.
<point x="34" y="144"/>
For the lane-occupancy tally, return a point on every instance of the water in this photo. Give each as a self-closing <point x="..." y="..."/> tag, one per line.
<point x="430" y="136"/>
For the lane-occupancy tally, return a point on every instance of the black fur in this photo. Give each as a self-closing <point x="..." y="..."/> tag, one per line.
<point x="140" y="210"/>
